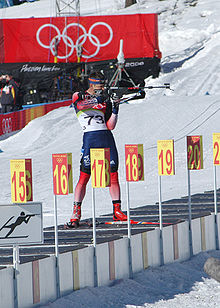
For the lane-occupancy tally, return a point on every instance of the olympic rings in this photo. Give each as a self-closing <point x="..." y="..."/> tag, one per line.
<point x="80" y="40"/>
<point x="6" y="125"/>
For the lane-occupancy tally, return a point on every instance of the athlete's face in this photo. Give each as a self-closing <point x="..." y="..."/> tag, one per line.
<point x="96" y="87"/>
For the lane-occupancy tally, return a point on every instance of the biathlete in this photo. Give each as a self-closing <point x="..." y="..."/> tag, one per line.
<point x="97" y="116"/>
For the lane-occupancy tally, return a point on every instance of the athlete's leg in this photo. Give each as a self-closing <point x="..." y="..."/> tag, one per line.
<point x="114" y="189"/>
<point x="80" y="189"/>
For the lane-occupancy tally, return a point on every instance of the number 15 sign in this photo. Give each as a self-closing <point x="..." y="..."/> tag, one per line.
<point x="21" y="180"/>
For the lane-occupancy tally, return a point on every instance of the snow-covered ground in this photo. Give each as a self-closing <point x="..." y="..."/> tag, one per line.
<point x="182" y="285"/>
<point x="189" y="35"/>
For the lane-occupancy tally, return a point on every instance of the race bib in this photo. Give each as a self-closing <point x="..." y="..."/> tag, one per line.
<point x="91" y="120"/>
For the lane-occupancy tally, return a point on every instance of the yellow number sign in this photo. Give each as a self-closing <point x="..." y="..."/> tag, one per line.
<point x="216" y="147"/>
<point x="21" y="180"/>
<point x="100" y="167"/>
<point x="62" y="174"/>
<point x="165" y="152"/>
<point x="194" y="152"/>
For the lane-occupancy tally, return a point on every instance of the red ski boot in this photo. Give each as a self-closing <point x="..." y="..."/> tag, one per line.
<point x="118" y="215"/>
<point x="75" y="218"/>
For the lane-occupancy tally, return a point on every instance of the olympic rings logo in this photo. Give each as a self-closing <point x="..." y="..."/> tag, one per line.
<point x="94" y="40"/>
<point x="6" y="125"/>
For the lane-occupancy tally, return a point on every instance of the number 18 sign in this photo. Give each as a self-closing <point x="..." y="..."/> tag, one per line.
<point x="134" y="161"/>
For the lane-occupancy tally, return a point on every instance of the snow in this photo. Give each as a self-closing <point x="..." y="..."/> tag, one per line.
<point x="183" y="285"/>
<point x="189" y="34"/>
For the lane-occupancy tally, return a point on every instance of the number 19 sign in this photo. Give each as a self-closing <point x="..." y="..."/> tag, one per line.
<point x="21" y="180"/>
<point x="134" y="161"/>
<point x="165" y="151"/>
<point x="62" y="174"/>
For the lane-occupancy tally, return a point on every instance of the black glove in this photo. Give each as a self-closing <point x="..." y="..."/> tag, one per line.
<point x="115" y="104"/>
<point x="82" y="95"/>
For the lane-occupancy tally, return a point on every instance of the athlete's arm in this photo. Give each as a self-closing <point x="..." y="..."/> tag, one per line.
<point x="113" y="116"/>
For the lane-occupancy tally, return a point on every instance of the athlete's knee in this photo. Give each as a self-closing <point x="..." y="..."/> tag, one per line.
<point x="83" y="178"/>
<point x="114" y="177"/>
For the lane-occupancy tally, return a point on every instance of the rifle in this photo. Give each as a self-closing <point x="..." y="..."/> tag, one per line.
<point x="138" y="91"/>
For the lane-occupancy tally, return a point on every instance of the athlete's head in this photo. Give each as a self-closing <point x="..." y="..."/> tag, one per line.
<point x="96" y="82"/>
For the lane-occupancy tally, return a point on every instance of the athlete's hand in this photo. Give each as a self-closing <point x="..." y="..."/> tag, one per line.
<point x="81" y="95"/>
<point x="115" y="104"/>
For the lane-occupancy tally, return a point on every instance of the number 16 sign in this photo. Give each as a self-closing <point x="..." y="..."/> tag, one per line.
<point x="62" y="174"/>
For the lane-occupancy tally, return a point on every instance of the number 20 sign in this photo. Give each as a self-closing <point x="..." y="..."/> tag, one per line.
<point x="134" y="161"/>
<point x="62" y="174"/>
<point x="165" y="151"/>
<point x="21" y="180"/>
<point x="194" y="152"/>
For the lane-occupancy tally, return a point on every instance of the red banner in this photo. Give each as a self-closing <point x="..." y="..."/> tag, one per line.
<point x="34" y="39"/>
<point x="17" y="120"/>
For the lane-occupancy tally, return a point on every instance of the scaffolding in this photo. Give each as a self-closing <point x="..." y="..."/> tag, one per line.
<point x="67" y="8"/>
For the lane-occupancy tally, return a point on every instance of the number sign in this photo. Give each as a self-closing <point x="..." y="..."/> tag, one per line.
<point x="100" y="167"/>
<point x="134" y="162"/>
<point x="194" y="152"/>
<point x="21" y="180"/>
<point x="62" y="174"/>
<point x="165" y="152"/>
<point x="216" y="147"/>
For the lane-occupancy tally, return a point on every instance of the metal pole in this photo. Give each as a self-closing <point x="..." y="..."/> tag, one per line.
<point x="215" y="191"/>
<point x="160" y="203"/>
<point x="56" y="247"/>
<point x="216" y="209"/>
<point x="160" y="220"/>
<point x="190" y="215"/>
<point x="128" y="211"/>
<point x="94" y="238"/>
<point x="93" y="218"/>
<point x="16" y="262"/>
<point x="129" y="232"/>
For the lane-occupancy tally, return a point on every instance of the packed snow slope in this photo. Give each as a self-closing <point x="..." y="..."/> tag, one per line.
<point x="183" y="285"/>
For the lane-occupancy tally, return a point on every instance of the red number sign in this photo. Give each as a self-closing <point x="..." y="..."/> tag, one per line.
<point x="62" y="174"/>
<point x="134" y="162"/>
<point x="194" y="152"/>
